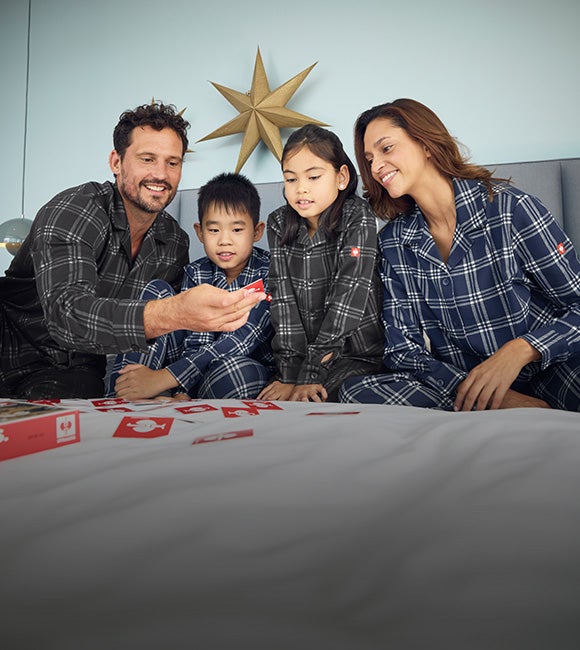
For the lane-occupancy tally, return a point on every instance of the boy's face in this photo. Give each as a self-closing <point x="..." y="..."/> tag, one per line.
<point x="228" y="238"/>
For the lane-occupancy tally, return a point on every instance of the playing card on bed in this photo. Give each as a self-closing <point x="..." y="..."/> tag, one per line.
<point x="107" y="402"/>
<point x="239" y="411"/>
<point x="226" y="435"/>
<point x="143" y="427"/>
<point x="262" y="405"/>
<point x="195" y="408"/>
<point x="334" y="413"/>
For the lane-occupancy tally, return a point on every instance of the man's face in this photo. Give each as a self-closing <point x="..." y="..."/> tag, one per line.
<point x="149" y="173"/>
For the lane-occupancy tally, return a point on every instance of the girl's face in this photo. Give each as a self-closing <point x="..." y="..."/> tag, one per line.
<point x="397" y="161"/>
<point x="311" y="184"/>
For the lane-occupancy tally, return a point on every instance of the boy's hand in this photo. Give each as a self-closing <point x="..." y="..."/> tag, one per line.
<point x="276" y="391"/>
<point x="136" y="381"/>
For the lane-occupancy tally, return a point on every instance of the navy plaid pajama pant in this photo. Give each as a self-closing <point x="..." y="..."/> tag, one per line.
<point x="558" y="385"/>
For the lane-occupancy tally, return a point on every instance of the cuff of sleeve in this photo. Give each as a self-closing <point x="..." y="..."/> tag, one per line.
<point x="548" y="345"/>
<point x="132" y="329"/>
<point x="185" y="373"/>
<point x="442" y="378"/>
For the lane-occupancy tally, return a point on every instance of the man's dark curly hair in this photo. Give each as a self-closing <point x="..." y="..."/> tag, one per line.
<point x="156" y="115"/>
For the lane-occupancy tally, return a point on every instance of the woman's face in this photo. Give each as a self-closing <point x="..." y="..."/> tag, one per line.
<point x="397" y="162"/>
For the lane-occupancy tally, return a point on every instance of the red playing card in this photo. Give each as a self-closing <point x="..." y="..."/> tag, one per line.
<point x="195" y="408"/>
<point x="258" y="285"/>
<point x="335" y="413"/>
<point x="262" y="405"/>
<point x="226" y="435"/>
<point x="116" y="409"/>
<point x="108" y="401"/>
<point x="144" y="427"/>
<point x="239" y="411"/>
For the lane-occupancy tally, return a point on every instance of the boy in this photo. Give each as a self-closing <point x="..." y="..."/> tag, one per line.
<point x="229" y="365"/>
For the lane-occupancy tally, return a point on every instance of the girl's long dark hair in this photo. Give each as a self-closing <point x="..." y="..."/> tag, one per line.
<point x="327" y="146"/>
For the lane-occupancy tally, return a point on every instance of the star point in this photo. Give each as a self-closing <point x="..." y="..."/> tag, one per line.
<point x="262" y="112"/>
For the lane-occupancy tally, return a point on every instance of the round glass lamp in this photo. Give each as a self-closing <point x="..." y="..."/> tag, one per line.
<point x="13" y="233"/>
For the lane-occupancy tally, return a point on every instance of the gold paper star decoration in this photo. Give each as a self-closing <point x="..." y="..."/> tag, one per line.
<point x="262" y="113"/>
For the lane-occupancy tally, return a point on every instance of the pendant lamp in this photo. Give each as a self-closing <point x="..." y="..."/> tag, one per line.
<point x="13" y="231"/>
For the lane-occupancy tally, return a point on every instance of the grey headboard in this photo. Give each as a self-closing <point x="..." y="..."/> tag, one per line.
<point x="555" y="182"/>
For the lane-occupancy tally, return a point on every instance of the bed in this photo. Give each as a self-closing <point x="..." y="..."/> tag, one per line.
<point x="275" y="525"/>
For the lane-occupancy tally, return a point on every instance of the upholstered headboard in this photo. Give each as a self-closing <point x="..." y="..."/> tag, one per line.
<point x="555" y="182"/>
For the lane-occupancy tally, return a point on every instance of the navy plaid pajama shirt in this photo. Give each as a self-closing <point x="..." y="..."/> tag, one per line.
<point x="512" y="272"/>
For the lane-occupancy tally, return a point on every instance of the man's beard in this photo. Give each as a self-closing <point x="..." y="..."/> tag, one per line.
<point x="150" y="206"/>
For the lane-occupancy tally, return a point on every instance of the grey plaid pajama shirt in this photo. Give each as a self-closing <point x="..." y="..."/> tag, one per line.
<point x="325" y="299"/>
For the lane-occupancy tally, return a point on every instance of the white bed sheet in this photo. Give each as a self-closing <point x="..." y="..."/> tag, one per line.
<point x="367" y="527"/>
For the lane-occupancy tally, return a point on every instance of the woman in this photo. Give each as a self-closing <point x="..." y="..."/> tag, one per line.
<point x="481" y="301"/>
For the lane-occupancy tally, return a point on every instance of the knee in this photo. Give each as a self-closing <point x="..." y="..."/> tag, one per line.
<point x="156" y="289"/>
<point x="350" y="390"/>
<point x="234" y="379"/>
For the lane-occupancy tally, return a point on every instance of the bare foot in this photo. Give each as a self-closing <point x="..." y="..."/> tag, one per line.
<point x="513" y="399"/>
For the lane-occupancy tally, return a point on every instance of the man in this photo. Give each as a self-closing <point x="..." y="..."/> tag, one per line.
<point x="70" y="295"/>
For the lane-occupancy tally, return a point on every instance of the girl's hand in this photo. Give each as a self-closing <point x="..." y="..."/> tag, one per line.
<point x="309" y="393"/>
<point x="487" y="385"/>
<point x="276" y="391"/>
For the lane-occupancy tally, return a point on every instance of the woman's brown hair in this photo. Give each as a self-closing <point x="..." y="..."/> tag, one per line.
<point x="423" y="125"/>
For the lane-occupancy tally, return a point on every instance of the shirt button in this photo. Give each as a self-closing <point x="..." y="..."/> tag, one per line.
<point x="445" y="282"/>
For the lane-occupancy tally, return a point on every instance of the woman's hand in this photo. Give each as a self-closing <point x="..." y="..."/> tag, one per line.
<point x="487" y="385"/>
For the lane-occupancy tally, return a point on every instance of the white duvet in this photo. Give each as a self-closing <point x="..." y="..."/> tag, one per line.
<point x="339" y="527"/>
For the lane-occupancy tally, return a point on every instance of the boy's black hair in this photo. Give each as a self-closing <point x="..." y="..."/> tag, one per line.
<point x="231" y="191"/>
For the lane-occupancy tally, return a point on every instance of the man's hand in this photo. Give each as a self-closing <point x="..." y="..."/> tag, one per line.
<point x="309" y="393"/>
<point x="136" y="381"/>
<point x="204" y="308"/>
<point x="486" y="386"/>
<point x="276" y="391"/>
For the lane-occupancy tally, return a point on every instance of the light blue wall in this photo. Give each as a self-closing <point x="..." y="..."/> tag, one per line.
<point x="502" y="74"/>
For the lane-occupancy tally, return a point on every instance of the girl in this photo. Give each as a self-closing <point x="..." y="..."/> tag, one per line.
<point x="483" y="284"/>
<point x="323" y="280"/>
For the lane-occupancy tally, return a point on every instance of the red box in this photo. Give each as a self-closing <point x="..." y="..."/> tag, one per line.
<point x="27" y="427"/>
